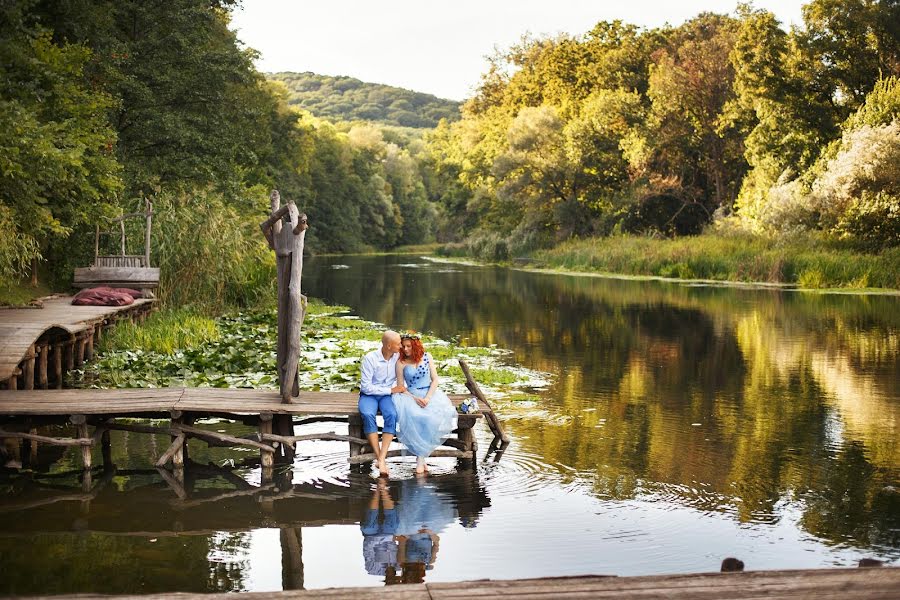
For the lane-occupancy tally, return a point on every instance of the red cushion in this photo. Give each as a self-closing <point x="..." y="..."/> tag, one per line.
<point x="102" y="296"/>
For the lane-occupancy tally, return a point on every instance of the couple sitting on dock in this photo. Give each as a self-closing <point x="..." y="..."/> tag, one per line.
<point x="400" y="380"/>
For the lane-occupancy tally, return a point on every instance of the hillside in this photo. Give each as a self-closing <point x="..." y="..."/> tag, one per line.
<point x="349" y="99"/>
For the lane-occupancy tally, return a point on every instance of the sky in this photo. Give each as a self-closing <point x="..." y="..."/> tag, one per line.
<point x="437" y="47"/>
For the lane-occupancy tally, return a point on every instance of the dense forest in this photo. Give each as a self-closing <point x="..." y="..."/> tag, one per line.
<point x="723" y="124"/>
<point x="727" y="122"/>
<point x="349" y="99"/>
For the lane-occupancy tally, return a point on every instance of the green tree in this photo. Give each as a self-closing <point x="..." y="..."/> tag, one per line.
<point x="57" y="167"/>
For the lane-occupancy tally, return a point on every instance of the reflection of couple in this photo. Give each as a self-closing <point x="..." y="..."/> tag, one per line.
<point x="404" y="543"/>
<point x="400" y="379"/>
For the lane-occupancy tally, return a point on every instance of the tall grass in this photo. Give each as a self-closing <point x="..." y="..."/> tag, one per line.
<point x="163" y="332"/>
<point x="211" y="257"/>
<point x="802" y="261"/>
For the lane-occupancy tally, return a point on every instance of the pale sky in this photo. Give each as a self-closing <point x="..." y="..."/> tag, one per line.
<point x="437" y="47"/>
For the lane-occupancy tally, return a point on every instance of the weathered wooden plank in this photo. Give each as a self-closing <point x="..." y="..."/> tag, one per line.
<point x="837" y="583"/>
<point x="116" y="274"/>
<point x="20" y="328"/>
<point x="822" y="584"/>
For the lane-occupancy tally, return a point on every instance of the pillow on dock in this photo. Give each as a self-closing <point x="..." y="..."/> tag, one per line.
<point x="103" y="296"/>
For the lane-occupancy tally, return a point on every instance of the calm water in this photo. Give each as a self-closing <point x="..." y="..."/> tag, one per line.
<point x="682" y="424"/>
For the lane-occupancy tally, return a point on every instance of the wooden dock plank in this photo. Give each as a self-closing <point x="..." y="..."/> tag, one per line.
<point x="163" y="400"/>
<point x="21" y="327"/>
<point x="822" y="584"/>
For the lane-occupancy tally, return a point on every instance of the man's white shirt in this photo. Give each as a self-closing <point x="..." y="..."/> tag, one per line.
<point x="379" y="375"/>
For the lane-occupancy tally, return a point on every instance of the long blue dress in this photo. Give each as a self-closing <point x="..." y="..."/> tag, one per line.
<point x="423" y="429"/>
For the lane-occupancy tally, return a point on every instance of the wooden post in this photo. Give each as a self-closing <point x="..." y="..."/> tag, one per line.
<point x="493" y="421"/>
<point x="28" y="370"/>
<point x="178" y="454"/>
<point x="122" y="230"/>
<point x="89" y="345"/>
<point x="32" y="448"/>
<point x="355" y="430"/>
<point x="80" y="346"/>
<point x="13" y="382"/>
<point x="267" y="459"/>
<point x="81" y="431"/>
<point x="57" y="365"/>
<point x="285" y="231"/>
<point x="43" y="351"/>
<point x="467" y="437"/>
<point x="70" y="354"/>
<point x="149" y="207"/>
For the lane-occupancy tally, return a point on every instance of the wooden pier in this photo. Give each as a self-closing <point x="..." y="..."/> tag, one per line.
<point x="93" y="413"/>
<point x="843" y="584"/>
<point x="38" y="346"/>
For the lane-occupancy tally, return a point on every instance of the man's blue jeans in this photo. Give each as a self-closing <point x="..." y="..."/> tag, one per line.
<point x="369" y="405"/>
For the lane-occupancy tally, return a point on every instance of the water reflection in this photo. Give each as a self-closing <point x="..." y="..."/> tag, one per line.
<point x="742" y="402"/>
<point x="142" y="530"/>
<point x="401" y="540"/>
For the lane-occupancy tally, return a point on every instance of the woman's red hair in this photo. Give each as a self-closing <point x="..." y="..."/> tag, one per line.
<point x="416" y="350"/>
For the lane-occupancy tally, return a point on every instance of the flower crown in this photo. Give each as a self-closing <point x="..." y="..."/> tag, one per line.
<point x="410" y="336"/>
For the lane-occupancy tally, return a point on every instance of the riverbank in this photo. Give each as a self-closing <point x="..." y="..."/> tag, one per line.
<point x="801" y="263"/>
<point x="21" y="293"/>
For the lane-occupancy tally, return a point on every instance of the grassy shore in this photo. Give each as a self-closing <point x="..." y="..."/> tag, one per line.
<point x="411" y="249"/>
<point x="802" y="262"/>
<point x="21" y="293"/>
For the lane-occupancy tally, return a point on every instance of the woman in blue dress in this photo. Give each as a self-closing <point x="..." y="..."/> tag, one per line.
<point x="425" y="414"/>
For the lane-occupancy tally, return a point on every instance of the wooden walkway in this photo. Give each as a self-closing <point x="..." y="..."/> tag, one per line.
<point x="822" y="584"/>
<point x="22" y="411"/>
<point x="38" y="345"/>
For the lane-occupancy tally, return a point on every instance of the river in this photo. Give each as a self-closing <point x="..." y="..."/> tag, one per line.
<point x="679" y="424"/>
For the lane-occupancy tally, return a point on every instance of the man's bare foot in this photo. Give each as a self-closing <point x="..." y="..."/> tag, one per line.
<point x="382" y="467"/>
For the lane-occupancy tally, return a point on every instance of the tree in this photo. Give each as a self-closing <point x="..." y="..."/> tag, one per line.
<point x="57" y="167"/>
<point x="690" y="84"/>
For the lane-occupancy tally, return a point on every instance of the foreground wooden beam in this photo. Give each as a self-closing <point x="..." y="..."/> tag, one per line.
<point x="846" y="584"/>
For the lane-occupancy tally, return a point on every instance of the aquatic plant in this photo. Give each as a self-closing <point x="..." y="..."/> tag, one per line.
<point x="176" y="348"/>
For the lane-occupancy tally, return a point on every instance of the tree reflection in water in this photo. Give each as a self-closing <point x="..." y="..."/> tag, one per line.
<point x="723" y="399"/>
<point x="132" y="532"/>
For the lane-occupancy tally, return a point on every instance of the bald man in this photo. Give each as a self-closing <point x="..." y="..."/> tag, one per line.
<point x="378" y="382"/>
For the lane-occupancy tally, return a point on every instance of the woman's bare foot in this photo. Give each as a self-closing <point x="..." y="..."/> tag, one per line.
<point x="421" y="467"/>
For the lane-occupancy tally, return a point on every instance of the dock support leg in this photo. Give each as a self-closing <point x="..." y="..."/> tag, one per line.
<point x="355" y="430"/>
<point x="80" y="347"/>
<point x="13" y="382"/>
<point x="81" y="431"/>
<point x="33" y="448"/>
<point x="43" y="351"/>
<point x="266" y="459"/>
<point x="467" y="437"/>
<point x="57" y="365"/>
<point x="70" y="355"/>
<point x="28" y="370"/>
<point x="89" y="345"/>
<point x="284" y="425"/>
